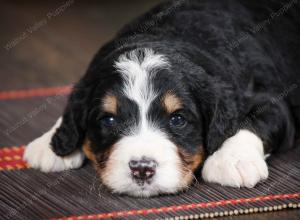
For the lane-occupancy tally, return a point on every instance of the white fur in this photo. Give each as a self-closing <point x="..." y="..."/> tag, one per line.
<point x="240" y="162"/>
<point x="144" y="140"/>
<point x="39" y="154"/>
<point x="138" y="71"/>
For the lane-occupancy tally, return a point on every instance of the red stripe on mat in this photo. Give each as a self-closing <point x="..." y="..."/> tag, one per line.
<point x="38" y="92"/>
<point x="181" y="207"/>
<point x="11" y="158"/>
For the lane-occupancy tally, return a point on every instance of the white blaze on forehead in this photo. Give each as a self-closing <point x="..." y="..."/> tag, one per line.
<point x="138" y="67"/>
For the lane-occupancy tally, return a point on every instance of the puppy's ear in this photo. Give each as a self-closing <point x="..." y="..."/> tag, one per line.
<point x="221" y="124"/>
<point x="71" y="133"/>
<point x="218" y="109"/>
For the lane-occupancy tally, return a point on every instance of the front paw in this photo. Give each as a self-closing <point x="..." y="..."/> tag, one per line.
<point x="39" y="155"/>
<point x="239" y="162"/>
<point x="237" y="170"/>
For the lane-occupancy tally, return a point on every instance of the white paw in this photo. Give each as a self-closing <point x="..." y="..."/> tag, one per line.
<point x="39" y="155"/>
<point x="238" y="163"/>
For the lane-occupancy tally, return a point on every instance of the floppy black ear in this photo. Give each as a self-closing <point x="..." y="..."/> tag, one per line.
<point x="215" y="99"/>
<point x="216" y="103"/>
<point x="71" y="133"/>
<point x="221" y="124"/>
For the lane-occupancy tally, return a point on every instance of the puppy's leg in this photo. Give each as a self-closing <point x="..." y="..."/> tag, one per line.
<point x="39" y="154"/>
<point x="60" y="148"/>
<point x="240" y="161"/>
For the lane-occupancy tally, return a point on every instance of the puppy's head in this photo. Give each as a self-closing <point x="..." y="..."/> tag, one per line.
<point x="144" y="132"/>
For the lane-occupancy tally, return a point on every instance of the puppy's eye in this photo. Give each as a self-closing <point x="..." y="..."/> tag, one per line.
<point x="177" y="120"/>
<point x="109" y="121"/>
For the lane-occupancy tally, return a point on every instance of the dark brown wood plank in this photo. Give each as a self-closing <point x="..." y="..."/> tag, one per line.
<point x="60" y="47"/>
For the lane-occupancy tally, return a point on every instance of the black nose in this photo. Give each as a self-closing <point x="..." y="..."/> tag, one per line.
<point x="142" y="170"/>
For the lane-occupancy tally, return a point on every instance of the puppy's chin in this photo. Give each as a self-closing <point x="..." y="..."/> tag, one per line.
<point x="149" y="190"/>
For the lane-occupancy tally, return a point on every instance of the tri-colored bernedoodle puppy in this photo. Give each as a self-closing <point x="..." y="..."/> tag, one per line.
<point x="197" y="85"/>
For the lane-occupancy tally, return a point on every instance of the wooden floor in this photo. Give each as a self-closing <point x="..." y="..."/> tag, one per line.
<point x="41" y="46"/>
<point x="50" y="51"/>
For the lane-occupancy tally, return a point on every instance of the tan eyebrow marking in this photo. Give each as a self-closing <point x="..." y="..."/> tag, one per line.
<point x="109" y="104"/>
<point x="171" y="102"/>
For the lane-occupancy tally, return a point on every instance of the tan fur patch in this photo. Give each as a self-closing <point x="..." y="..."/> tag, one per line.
<point x="100" y="162"/>
<point x="171" y="102"/>
<point x="106" y="169"/>
<point x="192" y="161"/>
<point x="88" y="151"/>
<point x="109" y="104"/>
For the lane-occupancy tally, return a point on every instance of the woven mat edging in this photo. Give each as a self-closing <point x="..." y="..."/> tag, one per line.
<point x="11" y="158"/>
<point x="183" y="207"/>
<point x="233" y="212"/>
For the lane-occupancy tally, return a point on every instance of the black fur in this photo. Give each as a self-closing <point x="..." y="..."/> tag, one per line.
<point x="234" y="63"/>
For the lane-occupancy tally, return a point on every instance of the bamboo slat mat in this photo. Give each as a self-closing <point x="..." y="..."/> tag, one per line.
<point x="77" y="194"/>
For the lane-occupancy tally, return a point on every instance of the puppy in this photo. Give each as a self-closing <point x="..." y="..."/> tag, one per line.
<point x="189" y="85"/>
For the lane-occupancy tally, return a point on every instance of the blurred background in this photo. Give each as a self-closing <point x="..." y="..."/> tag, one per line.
<point x="50" y="43"/>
